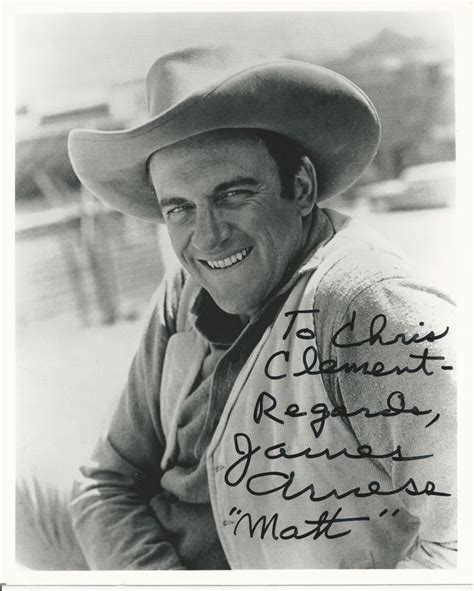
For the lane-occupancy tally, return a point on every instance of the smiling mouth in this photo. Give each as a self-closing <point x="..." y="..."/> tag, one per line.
<point x="228" y="262"/>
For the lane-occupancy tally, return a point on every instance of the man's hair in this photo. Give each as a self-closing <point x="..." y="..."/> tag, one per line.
<point x="287" y="154"/>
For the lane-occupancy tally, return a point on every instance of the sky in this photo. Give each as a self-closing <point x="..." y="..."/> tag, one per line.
<point x="70" y="59"/>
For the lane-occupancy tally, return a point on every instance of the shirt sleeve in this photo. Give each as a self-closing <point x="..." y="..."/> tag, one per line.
<point x="114" y="524"/>
<point x="424" y="320"/>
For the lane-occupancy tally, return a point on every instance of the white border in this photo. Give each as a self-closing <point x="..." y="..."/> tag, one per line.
<point x="462" y="12"/>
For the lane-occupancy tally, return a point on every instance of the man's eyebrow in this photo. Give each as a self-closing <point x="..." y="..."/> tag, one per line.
<point x="238" y="180"/>
<point x="169" y="201"/>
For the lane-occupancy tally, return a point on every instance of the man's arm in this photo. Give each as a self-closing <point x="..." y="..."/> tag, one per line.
<point x="408" y="308"/>
<point x="114" y="524"/>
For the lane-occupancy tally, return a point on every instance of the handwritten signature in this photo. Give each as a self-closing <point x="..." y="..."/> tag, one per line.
<point x="263" y="526"/>
<point x="396" y="406"/>
<point x="283" y="482"/>
<point x="268" y="411"/>
<point x="377" y="327"/>
<point x="313" y="365"/>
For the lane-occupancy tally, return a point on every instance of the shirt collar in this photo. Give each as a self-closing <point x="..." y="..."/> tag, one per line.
<point x="219" y="327"/>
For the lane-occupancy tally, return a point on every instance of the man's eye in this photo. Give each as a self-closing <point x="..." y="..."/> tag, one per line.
<point x="236" y="194"/>
<point x="178" y="213"/>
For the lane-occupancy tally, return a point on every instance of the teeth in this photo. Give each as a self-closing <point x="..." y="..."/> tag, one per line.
<point x="229" y="261"/>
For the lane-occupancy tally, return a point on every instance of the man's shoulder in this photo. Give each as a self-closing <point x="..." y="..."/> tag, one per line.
<point x="360" y="268"/>
<point x="361" y="272"/>
<point x="353" y="260"/>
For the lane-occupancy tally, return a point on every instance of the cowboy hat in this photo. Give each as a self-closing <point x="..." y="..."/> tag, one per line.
<point x="196" y="90"/>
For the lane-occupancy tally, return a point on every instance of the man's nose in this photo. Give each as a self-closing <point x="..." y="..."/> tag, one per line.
<point x="210" y="231"/>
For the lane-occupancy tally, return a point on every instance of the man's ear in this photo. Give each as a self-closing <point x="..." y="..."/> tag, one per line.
<point x="306" y="187"/>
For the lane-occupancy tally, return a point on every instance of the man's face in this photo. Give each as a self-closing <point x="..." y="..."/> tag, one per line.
<point x="220" y="194"/>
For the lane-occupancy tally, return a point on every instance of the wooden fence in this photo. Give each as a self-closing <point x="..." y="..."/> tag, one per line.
<point x="97" y="265"/>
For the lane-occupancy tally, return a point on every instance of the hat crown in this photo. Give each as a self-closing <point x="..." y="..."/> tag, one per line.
<point x="178" y="74"/>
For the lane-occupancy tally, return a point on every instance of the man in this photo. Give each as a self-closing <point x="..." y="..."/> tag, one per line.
<point x="291" y="402"/>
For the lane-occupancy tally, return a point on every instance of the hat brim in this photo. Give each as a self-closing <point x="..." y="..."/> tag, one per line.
<point x="330" y="117"/>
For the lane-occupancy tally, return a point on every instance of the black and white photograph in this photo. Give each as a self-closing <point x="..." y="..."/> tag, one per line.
<point x="236" y="284"/>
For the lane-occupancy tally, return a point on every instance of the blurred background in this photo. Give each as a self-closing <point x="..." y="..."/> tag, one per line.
<point x="84" y="273"/>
